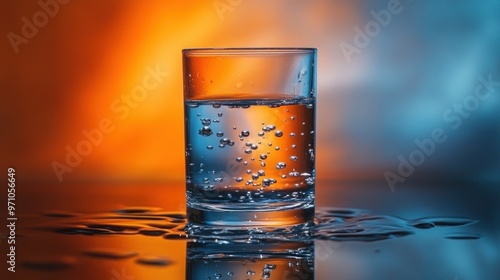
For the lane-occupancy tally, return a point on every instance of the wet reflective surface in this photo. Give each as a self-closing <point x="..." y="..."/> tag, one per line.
<point x="125" y="232"/>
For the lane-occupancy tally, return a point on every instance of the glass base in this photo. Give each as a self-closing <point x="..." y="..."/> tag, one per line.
<point x="244" y="225"/>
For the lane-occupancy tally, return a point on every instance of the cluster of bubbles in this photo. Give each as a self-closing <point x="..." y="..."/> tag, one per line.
<point x="256" y="178"/>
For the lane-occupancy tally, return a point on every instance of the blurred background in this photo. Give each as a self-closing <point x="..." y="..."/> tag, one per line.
<point x="389" y="73"/>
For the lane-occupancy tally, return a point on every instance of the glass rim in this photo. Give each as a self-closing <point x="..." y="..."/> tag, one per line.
<point x="248" y="51"/>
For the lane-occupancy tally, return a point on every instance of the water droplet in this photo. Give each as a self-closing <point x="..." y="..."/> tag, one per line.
<point x="48" y="264"/>
<point x="248" y="151"/>
<point x="294" y="146"/>
<point x="278" y="133"/>
<point x="220" y="134"/>
<point x="255" y="176"/>
<point x="250" y="272"/>
<point x="294" y="158"/>
<point x="216" y="105"/>
<point x="219" y="114"/>
<point x="153" y="260"/>
<point x="277" y="148"/>
<point x="218" y="276"/>
<point x="239" y="179"/>
<point x="254" y="147"/>
<point x="261" y="133"/>
<point x="230" y="274"/>
<point x="309" y="106"/>
<point x="292" y="134"/>
<point x="234" y="127"/>
<point x="261" y="172"/>
<point x="280" y="165"/>
<point x="462" y="236"/>
<point x="263" y="156"/>
<point x="292" y="118"/>
<point x="210" y="147"/>
<point x="60" y="214"/>
<point x="263" y="164"/>
<point x="245" y="133"/>
<point x="108" y="253"/>
<point x="175" y="236"/>
<point x="152" y="232"/>
<point x="239" y="159"/>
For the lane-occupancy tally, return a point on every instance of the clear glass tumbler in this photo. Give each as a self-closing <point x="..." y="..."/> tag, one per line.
<point x="250" y="139"/>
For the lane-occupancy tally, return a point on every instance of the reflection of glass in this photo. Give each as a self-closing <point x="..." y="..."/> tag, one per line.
<point x="263" y="260"/>
<point x="250" y="138"/>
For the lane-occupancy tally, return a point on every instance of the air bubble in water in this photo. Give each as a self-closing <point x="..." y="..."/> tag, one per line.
<point x="278" y="133"/>
<point x="239" y="159"/>
<point x="294" y="158"/>
<point x="205" y="131"/>
<point x="248" y="151"/>
<point x="263" y="156"/>
<point x="261" y="172"/>
<point x="277" y="148"/>
<point x="245" y="133"/>
<point x="294" y="146"/>
<point x="239" y="179"/>
<point x="205" y="121"/>
<point x="280" y="165"/>
<point x="220" y="134"/>
<point x="210" y="147"/>
<point x="260" y="133"/>
<point x="309" y="106"/>
<point x="219" y="114"/>
<point x="254" y="147"/>
<point x="270" y="266"/>
<point x="292" y="134"/>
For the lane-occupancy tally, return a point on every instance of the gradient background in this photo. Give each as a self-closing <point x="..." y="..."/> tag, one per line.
<point x="371" y="110"/>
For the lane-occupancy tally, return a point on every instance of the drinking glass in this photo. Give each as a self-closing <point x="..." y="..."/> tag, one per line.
<point x="249" y="139"/>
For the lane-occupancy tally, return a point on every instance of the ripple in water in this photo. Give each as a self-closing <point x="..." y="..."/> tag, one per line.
<point x="337" y="224"/>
